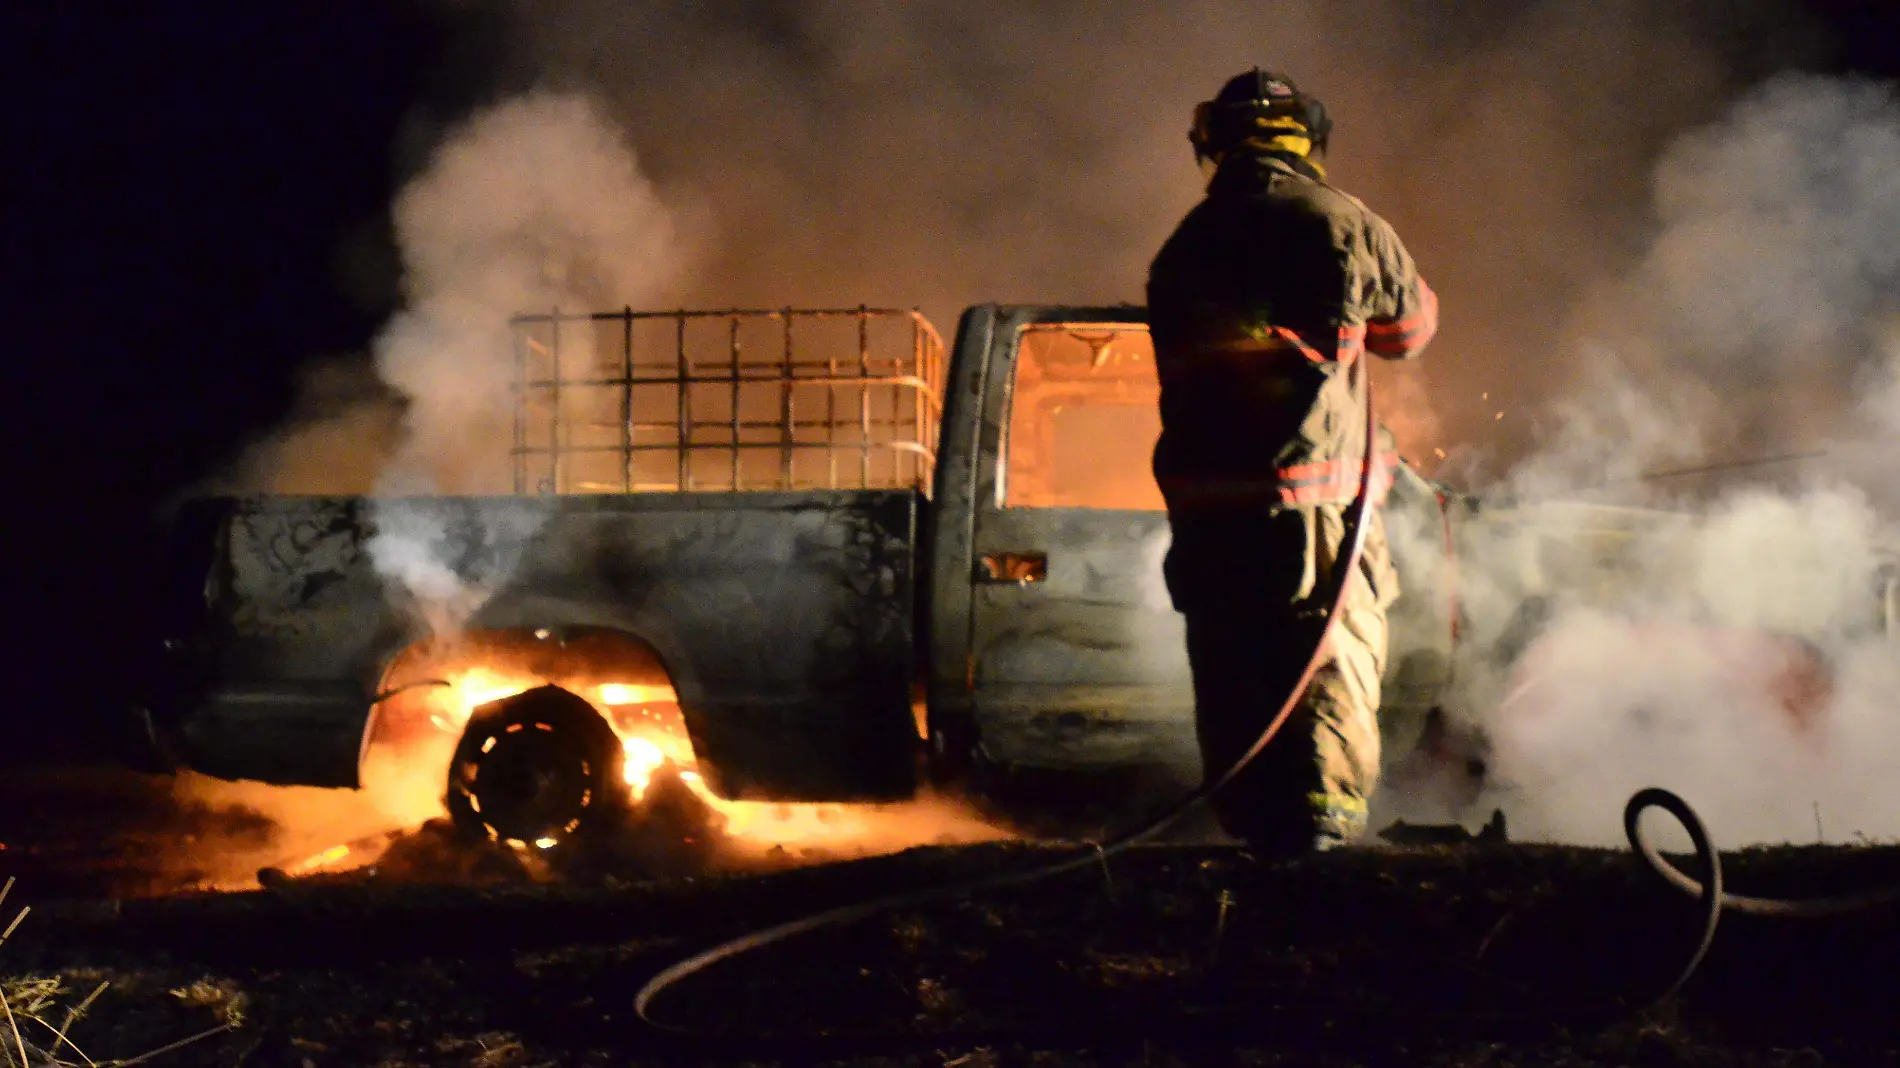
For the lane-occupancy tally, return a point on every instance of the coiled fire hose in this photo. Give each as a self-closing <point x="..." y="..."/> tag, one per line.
<point x="1348" y="565"/>
<point x="1709" y="893"/>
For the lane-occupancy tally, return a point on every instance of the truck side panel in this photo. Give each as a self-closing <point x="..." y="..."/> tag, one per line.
<point x="1086" y="668"/>
<point x="785" y="620"/>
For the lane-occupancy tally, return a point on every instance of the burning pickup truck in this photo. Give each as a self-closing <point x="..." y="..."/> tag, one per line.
<point x="799" y="555"/>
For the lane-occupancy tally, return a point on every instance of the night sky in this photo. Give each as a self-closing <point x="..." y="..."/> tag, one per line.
<point x="197" y="177"/>
<point x="194" y="174"/>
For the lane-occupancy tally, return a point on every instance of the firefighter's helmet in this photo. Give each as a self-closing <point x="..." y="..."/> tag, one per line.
<point x="1254" y="103"/>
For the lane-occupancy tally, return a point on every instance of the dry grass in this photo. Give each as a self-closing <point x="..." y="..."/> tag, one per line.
<point x="30" y="1004"/>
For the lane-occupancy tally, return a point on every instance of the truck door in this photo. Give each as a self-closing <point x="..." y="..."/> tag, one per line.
<point x="1076" y="655"/>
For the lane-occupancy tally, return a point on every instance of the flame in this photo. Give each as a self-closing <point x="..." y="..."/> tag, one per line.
<point x="643" y="758"/>
<point x="471" y="689"/>
<point x="653" y="734"/>
<point x="652" y="731"/>
<point x="624" y="693"/>
<point x="323" y="859"/>
<point x="767" y="823"/>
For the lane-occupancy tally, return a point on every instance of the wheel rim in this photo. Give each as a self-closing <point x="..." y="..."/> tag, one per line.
<point x="527" y="782"/>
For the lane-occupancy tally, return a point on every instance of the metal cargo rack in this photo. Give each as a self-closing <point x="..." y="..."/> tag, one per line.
<point x="787" y="399"/>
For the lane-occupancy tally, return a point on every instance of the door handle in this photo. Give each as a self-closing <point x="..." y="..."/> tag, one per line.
<point x="1018" y="568"/>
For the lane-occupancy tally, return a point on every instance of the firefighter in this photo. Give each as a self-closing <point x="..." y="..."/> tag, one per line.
<point x="1263" y="303"/>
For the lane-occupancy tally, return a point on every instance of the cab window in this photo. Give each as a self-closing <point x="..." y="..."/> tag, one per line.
<point x="1084" y="416"/>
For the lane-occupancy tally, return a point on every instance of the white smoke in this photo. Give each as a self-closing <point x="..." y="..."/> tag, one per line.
<point x="1777" y="243"/>
<point x="1738" y="655"/>
<point x="535" y="205"/>
<point x="447" y="556"/>
<point x="1735" y="662"/>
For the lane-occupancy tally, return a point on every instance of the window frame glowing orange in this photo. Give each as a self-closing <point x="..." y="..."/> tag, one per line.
<point x="1013" y="481"/>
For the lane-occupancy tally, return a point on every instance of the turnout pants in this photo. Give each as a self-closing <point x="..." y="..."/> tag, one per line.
<point x="1253" y="590"/>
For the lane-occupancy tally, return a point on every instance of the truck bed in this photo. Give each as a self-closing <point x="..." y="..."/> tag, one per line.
<point x="784" y="620"/>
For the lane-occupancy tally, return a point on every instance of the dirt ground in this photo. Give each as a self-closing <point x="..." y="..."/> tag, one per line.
<point x="1168" y="955"/>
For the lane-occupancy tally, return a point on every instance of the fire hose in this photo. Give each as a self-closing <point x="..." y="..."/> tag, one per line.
<point x="1708" y="891"/>
<point x="1354" y="542"/>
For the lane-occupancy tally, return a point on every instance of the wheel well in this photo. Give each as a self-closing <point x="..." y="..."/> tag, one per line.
<point x="437" y="683"/>
<point x="583" y="653"/>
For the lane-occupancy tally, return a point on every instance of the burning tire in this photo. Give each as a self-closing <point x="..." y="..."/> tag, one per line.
<point x="536" y="769"/>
